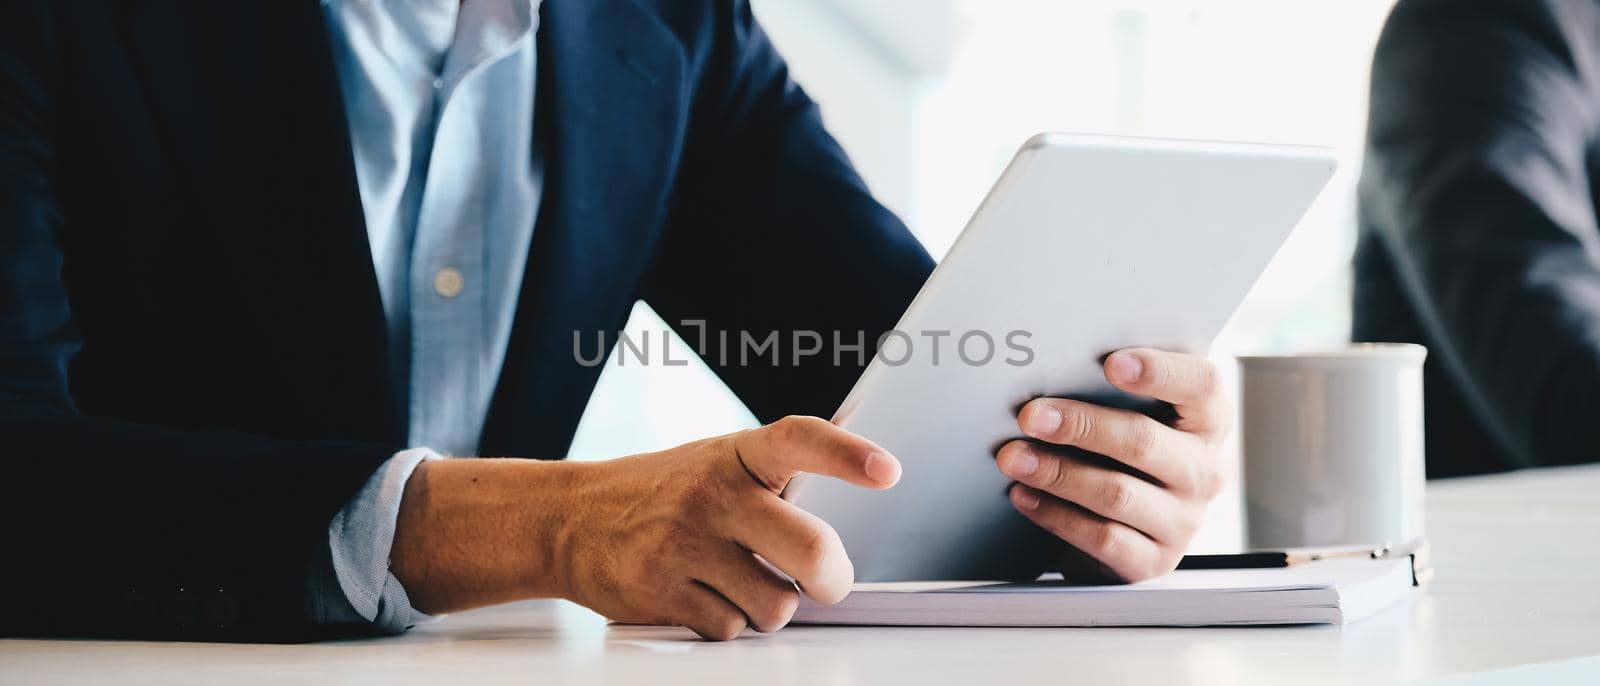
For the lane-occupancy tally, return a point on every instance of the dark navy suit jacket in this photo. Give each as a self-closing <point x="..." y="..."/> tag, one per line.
<point x="1479" y="203"/>
<point x="192" y="362"/>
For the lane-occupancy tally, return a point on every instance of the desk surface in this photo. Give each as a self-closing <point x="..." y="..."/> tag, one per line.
<point x="1515" y="554"/>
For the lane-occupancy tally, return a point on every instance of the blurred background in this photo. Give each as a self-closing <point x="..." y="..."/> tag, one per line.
<point x="932" y="97"/>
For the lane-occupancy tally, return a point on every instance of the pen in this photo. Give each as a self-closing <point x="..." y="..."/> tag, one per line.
<point x="1262" y="559"/>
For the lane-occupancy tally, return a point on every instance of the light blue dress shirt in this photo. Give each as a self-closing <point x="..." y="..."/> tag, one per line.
<point x="440" y="100"/>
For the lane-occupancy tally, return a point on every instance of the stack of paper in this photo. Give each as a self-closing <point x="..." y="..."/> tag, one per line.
<point x="1324" y="592"/>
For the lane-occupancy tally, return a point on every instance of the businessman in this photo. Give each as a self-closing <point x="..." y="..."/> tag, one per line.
<point x="1479" y="199"/>
<point x="263" y="265"/>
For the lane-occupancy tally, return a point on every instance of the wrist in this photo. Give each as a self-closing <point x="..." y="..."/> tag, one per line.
<point x="475" y="532"/>
<point x="549" y="497"/>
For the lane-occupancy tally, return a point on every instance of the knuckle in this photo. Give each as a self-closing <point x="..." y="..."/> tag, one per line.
<point x="1158" y="369"/>
<point x="712" y="620"/>
<point x="1119" y="496"/>
<point x="1209" y="480"/>
<point x="724" y="628"/>
<point x="1208" y="381"/>
<point x="1105" y="542"/>
<point x="658" y="566"/>
<point x="1057" y="474"/>
<point x="1145" y="442"/>
<point x="1077" y="425"/>
<point x="796" y="425"/>
<point x="784" y="428"/>
<point x="727" y="447"/>
<point x="824" y="572"/>
<point x="814" y="549"/>
<point x="699" y="494"/>
<point x="730" y="627"/>
<point x="776" y="611"/>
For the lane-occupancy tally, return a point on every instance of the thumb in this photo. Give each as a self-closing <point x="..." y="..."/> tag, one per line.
<point x="775" y="453"/>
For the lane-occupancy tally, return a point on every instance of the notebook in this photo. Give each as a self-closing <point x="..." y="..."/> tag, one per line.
<point x="1337" y="591"/>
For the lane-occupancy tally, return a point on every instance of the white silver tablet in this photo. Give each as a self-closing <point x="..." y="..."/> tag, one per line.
<point x="1085" y="245"/>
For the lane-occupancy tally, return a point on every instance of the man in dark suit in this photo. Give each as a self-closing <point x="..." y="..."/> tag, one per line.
<point x="261" y="263"/>
<point x="1478" y="224"/>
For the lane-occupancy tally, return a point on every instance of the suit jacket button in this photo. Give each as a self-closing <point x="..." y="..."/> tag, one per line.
<point x="183" y="609"/>
<point x="137" y="609"/>
<point x="222" y="610"/>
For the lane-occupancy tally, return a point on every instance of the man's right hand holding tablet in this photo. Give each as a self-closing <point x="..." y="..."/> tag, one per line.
<point x="671" y="537"/>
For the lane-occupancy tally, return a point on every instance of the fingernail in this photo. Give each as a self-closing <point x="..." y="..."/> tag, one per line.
<point x="1021" y="463"/>
<point x="1025" y="498"/>
<point x="882" y="468"/>
<point x="1043" y="420"/>
<point x="1124" y="368"/>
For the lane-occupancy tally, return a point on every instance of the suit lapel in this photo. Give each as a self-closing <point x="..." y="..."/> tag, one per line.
<point x="610" y="122"/>
<point x="250" y="99"/>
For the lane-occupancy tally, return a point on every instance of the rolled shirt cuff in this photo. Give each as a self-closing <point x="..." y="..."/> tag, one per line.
<point x="360" y="537"/>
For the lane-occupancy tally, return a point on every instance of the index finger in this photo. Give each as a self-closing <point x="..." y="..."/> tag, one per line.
<point x="798" y="543"/>
<point x="775" y="453"/>
<point x="1189" y="383"/>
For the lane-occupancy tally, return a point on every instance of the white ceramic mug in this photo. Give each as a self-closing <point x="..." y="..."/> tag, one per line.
<point x="1333" y="446"/>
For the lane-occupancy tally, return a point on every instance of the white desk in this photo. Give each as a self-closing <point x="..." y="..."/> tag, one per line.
<point x="1518" y="560"/>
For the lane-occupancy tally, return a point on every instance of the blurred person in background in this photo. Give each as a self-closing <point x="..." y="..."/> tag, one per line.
<point x="1478" y="224"/>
